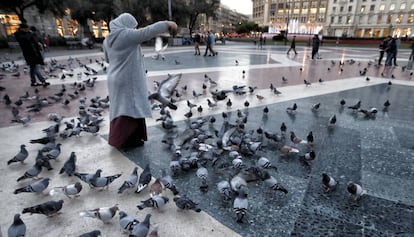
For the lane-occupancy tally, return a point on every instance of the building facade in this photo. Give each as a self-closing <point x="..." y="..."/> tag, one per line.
<point x="370" y="18"/>
<point x="349" y="18"/>
<point x="295" y="16"/>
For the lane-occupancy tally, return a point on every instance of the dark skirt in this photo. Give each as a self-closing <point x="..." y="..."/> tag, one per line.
<point x="127" y="132"/>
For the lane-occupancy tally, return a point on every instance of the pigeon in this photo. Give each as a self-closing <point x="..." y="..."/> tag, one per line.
<point x="211" y="104"/>
<point x="315" y="107"/>
<point x="260" y="97"/>
<point x="284" y="79"/>
<point x="342" y="102"/>
<point x="103" y="182"/>
<point x="240" y="205"/>
<point x="272" y="182"/>
<point x="141" y="229"/>
<point x="23" y="120"/>
<point x="156" y="187"/>
<point x="283" y="128"/>
<point x="32" y="172"/>
<point x="332" y="121"/>
<point x="105" y="214"/>
<point x="276" y="91"/>
<point x="355" y="190"/>
<point x="295" y="139"/>
<point x="36" y="187"/>
<point x="130" y="182"/>
<point x="85" y="177"/>
<point x="49" y="208"/>
<point x="185" y="203"/>
<point x="369" y="113"/>
<point x="166" y="90"/>
<point x="292" y="110"/>
<point x="54" y="153"/>
<point x="265" y="110"/>
<point x="307" y="157"/>
<point x="144" y="179"/>
<point x="17" y="228"/>
<point x="356" y="106"/>
<point x="94" y="233"/>
<point x="224" y="189"/>
<point x="21" y="156"/>
<point x="159" y="48"/>
<point x="263" y="162"/>
<point x="69" y="167"/>
<point x="167" y="182"/>
<point x="126" y="222"/>
<point x="310" y="138"/>
<point x="285" y="150"/>
<point x="387" y="104"/>
<point x="156" y="201"/>
<point x="307" y="83"/>
<point x="68" y="190"/>
<point x="202" y="174"/>
<point x="329" y="183"/>
<point x="229" y="103"/>
<point x="191" y="105"/>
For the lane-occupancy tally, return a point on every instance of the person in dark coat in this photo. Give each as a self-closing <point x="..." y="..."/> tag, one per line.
<point x="31" y="49"/>
<point x="391" y="50"/>
<point x="315" y="45"/>
<point x="382" y="48"/>
<point x="197" y="41"/>
<point x="292" y="45"/>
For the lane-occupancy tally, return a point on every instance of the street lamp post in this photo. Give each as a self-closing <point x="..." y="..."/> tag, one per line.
<point x="169" y="10"/>
<point x="287" y="22"/>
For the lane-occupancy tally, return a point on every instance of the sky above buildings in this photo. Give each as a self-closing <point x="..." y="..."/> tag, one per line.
<point x="241" y="6"/>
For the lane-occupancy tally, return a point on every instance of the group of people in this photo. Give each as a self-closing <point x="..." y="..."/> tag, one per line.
<point x="209" y="40"/>
<point x="315" y="46"/>
<point x="32" y="48"/>
<point x="390" y="46"/>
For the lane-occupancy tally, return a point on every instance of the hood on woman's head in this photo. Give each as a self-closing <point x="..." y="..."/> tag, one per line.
<point x="125" y="20"/>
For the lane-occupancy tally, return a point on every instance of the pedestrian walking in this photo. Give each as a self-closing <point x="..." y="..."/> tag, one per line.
<point x="382" y="47"/>
<point x="31" y="49"/>
<point x="197" y="41"/>
<point x="292" y="45"/>
<point x="315" y="45"/>
<point x="209" y="44"/>
<point x="397" y="46"/>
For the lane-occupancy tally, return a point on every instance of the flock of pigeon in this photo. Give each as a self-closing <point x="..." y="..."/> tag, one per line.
<point x="233" y="148"/>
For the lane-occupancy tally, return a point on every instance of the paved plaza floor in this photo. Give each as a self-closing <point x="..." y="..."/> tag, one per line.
<point x="376" y="152"/>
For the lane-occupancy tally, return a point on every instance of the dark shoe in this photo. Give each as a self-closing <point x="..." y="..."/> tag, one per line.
<point x="35" y="84"/>
<point x="44" y="84"/>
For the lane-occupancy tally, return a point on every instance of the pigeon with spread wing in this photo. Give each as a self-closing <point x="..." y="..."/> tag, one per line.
<point x="165" y="91"/>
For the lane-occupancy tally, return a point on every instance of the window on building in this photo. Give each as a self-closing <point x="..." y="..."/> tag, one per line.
<point x="372" y="8"/>
<point x="412" y="6"/>
<point x="403" y="5"/>
<point x="334" y="1"/>
<point x="333" y="9"/>
<point x="392" y="7"/>
<point x="362" y="8"/>
<point x="349" y="8"/>
<point x="339" y="19"/>
<point x="348" y="20"/>
<point x="382" y="7"/>
<point x="341" y="9"/>
<point x="399" y="18"/>
<point x="351" y="0"/>
<point x="332" y="19"/>
<point x="379" y="19"/>
<point x="389" y="19"/>
<point x="410" y="18"/>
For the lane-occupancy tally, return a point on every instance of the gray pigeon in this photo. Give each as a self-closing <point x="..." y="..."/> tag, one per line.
<point x="54" y="153"/>
<point x="224" y="189"/>
<point x="166" y="90"/>
<point x="155" y="201"/>
<point x="240" y="205"/>
<point x="36" y="187"/>
<point x="127" y="222"/>
<point x="19" y="157"/>
<point x="49" y="208"/>
<point x="141" y="229"/>
<point x="130" y="182"/>
<point x="355" y="190"/>
<point x="103" y="182"/>
<point x="329" y="183"/>
<point x="17" y="228"/>
<point x="32" y="172"/>
<point x="69" y="166"/>
<point x="186" y="203"/>
<point x="68" y="190"/>
<point x="85" y="177"/>
<point x="272" y="182"/>
<point x="144" y="179"/>
<point x="202" y="174"/>
<point x="168" y="182"/>
<point x="94" y="233"/>
<point x="105" y="214"/>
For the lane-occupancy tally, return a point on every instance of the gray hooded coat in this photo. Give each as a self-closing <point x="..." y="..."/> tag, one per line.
<point x="127" y="84"/>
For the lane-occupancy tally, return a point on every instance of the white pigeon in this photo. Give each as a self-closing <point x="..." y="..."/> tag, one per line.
<point x="105" y="214"/>
<point x="159" y="48"/>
